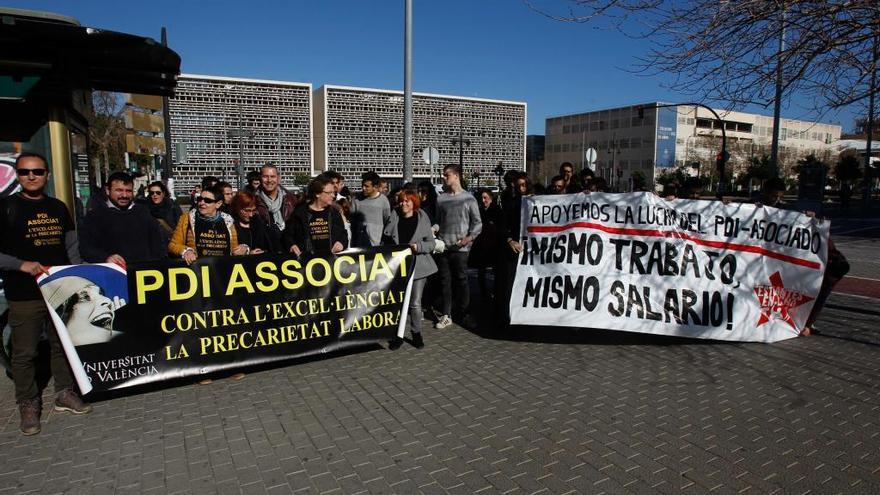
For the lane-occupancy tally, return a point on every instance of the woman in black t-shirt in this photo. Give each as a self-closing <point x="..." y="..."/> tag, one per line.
<point x="316" y="229"/>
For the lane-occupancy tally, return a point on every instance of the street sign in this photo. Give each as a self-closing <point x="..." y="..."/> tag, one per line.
<point x="431" y="156"/>
<point x="590" y="155"/>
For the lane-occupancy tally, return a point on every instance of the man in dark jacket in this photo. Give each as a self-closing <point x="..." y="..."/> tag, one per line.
<point x="316" y="229"/>
<point x="122" y="232"/>
<point x="275" y="204"/>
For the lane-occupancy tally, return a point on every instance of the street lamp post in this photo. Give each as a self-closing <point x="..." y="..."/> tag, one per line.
<point x="722" y="157"/>
<point x="240" y="133"/>
<point x="461" y="141"/>
<point x="613" y="168"/>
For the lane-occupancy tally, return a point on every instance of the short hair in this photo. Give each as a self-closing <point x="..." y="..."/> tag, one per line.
<point x="269" y="165"/>
<point x="372" y="177"/>
<point x="28" y="154"/>
<point x="215" y="190"/>
<point x="253" y="175"/>
<point x="586" y="173"/>
<point x="241" y="201"/>
<point x="209" y="180"/>
<point x="223" y="185"/>
<point x="316" y="185"/>
<point x="455" y="168"/>
<point x="557" y="178"/>
<point x="566" y="164"/>
<point x="123" y="177"/>
<point x="333" y="175"/>
<point x="161" y="185"/>
<point x="410" y="195"/>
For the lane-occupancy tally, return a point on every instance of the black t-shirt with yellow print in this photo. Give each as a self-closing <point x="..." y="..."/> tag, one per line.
<point x="32" y="230"/>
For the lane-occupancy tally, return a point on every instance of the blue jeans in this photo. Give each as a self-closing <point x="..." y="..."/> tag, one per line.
<point x="414" y="313"/>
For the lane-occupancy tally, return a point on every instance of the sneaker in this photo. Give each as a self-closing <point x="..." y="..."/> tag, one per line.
<point x="395" y="343"/>
<point x="417" y="340"/>
<point x="68" y="400"/>
<point x="443" y="322"/>
<point x="30" y="416"/>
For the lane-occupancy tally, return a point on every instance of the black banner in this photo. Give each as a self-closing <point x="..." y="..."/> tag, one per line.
<point x="164" y="320"/>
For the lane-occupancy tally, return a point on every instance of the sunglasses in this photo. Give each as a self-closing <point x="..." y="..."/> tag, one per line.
<point x="39" y="172"/>
<point x="202" y="199"/>
<point x="155" y="193"/>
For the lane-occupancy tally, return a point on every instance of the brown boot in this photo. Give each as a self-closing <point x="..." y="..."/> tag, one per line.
<point x="68" y="400"/>
<point x="30" y="416"/>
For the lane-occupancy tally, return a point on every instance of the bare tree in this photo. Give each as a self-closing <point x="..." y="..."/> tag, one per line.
<point x="106" y="130"/>
<point x="727" y="51"/>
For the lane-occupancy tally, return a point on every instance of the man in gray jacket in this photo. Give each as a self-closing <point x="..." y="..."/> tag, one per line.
<point x="458" y="218"/>
<point x="369" y="213"/>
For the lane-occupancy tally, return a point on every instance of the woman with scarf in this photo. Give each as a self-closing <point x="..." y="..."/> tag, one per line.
<point x="162" y="208"/>
<point x="408" y="224"/>
<point x="205" y="231"/>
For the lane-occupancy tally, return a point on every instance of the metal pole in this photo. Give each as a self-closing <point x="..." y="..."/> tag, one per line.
<point x="870" y="127"/>
<point x="407" y="94"/>
<point x="166" y="116"/>
<point x="240" y="168"/>
<point x="777" y="104"/>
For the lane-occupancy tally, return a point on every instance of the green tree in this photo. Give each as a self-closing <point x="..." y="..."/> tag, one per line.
<point x="759" y="169"/>
<point x="848" y="169"/>
<point x="301" y="179"/>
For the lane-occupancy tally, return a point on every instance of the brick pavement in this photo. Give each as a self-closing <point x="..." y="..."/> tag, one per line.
<point x="548" y="411"/>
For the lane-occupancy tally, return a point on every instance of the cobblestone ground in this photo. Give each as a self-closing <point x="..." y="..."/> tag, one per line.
<point x="549" y="411"/>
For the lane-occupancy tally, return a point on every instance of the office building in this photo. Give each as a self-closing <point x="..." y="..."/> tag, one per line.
<point x="660" y="139"/>
<point x="361" y="129"/>
<point x="216" y="121"/>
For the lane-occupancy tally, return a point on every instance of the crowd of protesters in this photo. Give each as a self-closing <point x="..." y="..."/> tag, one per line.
<point x="448" y="233"/>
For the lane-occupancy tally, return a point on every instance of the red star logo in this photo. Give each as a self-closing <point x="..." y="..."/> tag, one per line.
<point x="776" y="300"/>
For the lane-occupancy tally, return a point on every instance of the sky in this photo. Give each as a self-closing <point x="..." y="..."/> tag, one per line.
<point x="499" y="49"/>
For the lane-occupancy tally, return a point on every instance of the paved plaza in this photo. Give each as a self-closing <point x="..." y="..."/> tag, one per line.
<point x="529" y="411"/>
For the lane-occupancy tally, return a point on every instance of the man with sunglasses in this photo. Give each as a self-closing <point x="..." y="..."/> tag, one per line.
<point x="36" y="232"/>
<point x="124" y="231"/>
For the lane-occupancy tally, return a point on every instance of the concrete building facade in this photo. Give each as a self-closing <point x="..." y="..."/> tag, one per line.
<point x="661" y="139"/>
<point x="361" y="129"/>
<point x="207" y="112"/>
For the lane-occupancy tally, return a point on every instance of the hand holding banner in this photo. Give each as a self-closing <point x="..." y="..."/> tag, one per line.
<point x="164" y="319"/>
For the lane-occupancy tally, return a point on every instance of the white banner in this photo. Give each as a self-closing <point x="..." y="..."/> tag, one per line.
<point x="690" y="268"/>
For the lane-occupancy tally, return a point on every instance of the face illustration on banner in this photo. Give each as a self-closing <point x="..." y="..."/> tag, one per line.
<point x="85" y="306"/>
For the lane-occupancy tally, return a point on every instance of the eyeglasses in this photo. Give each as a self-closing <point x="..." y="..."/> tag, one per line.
<point x="328" y="192"/>
<point x="155" y="193"/>
<point x="249" y="211"/>
<point x="39" y="172"/>
<point x="202" y="199"/>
